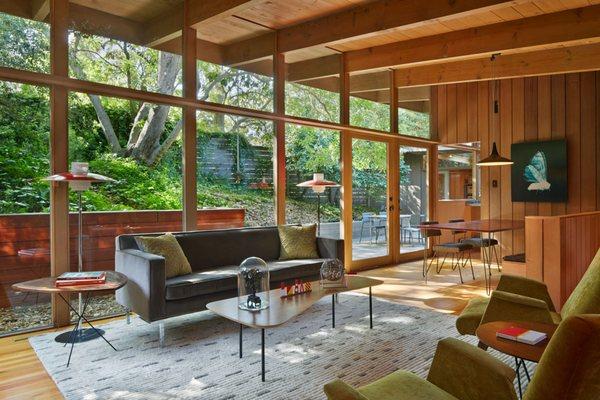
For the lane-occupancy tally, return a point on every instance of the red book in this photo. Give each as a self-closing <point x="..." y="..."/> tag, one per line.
<point x="511" y="333"/>
<point x="79" y="282"/>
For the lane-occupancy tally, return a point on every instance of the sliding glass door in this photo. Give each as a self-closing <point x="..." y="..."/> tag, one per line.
<point x="370" y="219"/>
<point x="413" y="192"/>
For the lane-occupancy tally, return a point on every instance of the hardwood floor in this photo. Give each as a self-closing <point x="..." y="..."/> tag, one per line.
<point x="22" y="375"/>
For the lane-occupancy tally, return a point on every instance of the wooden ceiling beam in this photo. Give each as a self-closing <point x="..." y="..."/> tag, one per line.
<point x="321" y="67"/>
<point x="542" y="62"/>
<point x="40" y="9"/>
<point x="253" y="49"/>
<point x="168" y="26"/>
<point x="20" y="9"/>
<point x="377" y="17"/>
<point x="91" y="21"/>
<point x="210" y="10"/>
<point x="578" y="26"/>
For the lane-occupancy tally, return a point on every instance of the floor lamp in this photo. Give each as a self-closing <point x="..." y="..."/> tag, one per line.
<point x="318" y="184"/>
<point x="79" y="181"/>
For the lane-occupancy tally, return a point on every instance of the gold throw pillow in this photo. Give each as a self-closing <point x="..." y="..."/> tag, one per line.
<point x="298" y="242"/>
<point x="176" y="263"/>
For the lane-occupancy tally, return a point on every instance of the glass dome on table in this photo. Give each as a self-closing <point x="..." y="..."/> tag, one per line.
<point x="253" y="284"/>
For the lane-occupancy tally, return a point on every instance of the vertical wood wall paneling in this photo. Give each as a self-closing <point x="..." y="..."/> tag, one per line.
<point x="472" y="112"/>
<point x="518" y="135"/>
<point x="573" y="135"/>
<point x="59" y="153"/>
<point x="279" y="140"/>
<point x="461" y="113"/>
<point x="506" y="212"/>
<point x="190" y="140"/>
<point x="558" y="127"/>
<point x="588" y="142"/>
<point x="483" y="131"/>
<point x="451" y="112"/>
<point x="495" y="200"/>
<point x="544" y="124"/>
<point x="442" y="119"/>
<point x="598" y="141"/>
<point x="540" y="108"/>
<point x="531" y="126"/>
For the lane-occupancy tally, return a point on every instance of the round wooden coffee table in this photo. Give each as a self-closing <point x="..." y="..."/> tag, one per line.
<point x="114" y="281"/>
<point x="520" y="351"/>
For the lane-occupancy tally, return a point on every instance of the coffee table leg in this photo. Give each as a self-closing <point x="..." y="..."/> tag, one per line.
<point x="518" y="364"/>
<point x="333" y="310"/>
<point x="370" y="308"/>
<point x="262" y="354"/>
<point x="241" y="328"/>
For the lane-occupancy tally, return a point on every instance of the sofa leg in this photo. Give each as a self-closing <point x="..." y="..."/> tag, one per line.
<point x="128" y="315"/>
<point x="161" y="334"/>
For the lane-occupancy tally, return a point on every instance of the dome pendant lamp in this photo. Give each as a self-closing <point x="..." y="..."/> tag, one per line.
<point x="494" y="159"/>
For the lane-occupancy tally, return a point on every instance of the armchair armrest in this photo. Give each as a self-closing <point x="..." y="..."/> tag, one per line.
<point x="504" y="306"/>
<point x="338" y="390"/>
<point x="331" y="248"/>
<point x="525" y="287"/>
<point x="469" y="373"/>
<point x="144" y="293"/>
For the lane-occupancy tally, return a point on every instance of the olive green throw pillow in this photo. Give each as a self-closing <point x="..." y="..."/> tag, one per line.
<point x="176" y="263"/>
<point x="298" y="242"/>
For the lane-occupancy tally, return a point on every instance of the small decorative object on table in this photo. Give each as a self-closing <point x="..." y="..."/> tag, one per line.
<point x="333" y="274"/>
<point x="298" y="287"/>
<point x="253" y="284"/>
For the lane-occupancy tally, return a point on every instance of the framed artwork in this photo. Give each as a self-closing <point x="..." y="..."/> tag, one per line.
<point x="539" y="172"/>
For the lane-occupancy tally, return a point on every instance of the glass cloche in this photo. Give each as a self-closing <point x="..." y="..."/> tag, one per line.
<point x="253" y="284"/>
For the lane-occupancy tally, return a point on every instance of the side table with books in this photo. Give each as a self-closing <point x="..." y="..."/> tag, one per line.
<point x="513" y="338"/>
<point x="85" y="283"/>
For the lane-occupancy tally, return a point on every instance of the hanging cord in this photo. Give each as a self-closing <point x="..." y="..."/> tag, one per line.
<point x="496" y="106"/>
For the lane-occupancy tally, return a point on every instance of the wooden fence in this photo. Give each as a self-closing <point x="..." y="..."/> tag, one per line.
<point x="25" y="240"/>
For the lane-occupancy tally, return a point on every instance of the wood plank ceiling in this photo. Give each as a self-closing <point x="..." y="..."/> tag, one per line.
<point x="425" y="42"/>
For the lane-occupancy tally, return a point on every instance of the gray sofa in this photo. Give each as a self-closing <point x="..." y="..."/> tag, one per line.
<point x="214" y="257"/>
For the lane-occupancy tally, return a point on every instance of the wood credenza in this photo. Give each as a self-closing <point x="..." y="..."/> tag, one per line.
<point x="559" y="249"/>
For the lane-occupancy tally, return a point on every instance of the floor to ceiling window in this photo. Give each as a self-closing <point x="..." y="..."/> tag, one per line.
<point x="309" y="151"/>
<point x="235" y="165"/>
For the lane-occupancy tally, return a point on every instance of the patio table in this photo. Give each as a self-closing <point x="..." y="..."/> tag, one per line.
<point x="482" y="226"/>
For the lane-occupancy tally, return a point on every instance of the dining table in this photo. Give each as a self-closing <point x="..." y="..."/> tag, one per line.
<point x="487" y="227"/>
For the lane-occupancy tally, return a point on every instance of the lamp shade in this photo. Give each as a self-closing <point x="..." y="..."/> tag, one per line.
<point x="318" y="183"/>
<point x="79" y="182"/>
<point x="494" y="159"/>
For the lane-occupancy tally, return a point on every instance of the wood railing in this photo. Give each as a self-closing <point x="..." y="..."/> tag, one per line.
<point x="559" y="249"/>
<point x="25" y="240"/>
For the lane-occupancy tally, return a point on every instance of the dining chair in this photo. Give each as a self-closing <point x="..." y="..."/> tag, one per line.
<point x="433" y="235"/>
<point x="459" y="250"/>
<point x="487" y="246"/>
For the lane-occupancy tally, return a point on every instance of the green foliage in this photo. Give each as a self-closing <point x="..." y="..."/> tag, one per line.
<point x="24" y="149"/>
<point x="25" y="44"/>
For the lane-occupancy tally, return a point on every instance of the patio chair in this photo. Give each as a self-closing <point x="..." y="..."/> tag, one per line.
<point x="380" y="227"/>
<point x="367" y="218"/>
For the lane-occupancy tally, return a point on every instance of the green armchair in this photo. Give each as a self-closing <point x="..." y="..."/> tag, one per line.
<point x="568" y="370"/>
<point x="521" y="299"/>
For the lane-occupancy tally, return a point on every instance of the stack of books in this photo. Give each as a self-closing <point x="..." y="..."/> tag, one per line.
<point x="81" y="278"/>
<point x="521" y="335"/>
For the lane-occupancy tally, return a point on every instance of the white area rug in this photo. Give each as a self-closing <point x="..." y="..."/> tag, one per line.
<point x="200" y="358"/>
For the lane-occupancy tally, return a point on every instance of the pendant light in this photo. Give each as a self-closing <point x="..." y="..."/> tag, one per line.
<point x="494" y="158"/>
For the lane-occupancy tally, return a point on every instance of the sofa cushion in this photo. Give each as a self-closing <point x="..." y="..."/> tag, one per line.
<point x="298" y="242"/>
<point x="166" y="245"/>
<point x="292" y="269"/>
<point x="221" y="279"/>
<point x="218" y="279"/>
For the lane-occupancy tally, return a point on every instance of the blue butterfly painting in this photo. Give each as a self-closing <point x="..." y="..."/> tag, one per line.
<point x="536" y="172"/>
